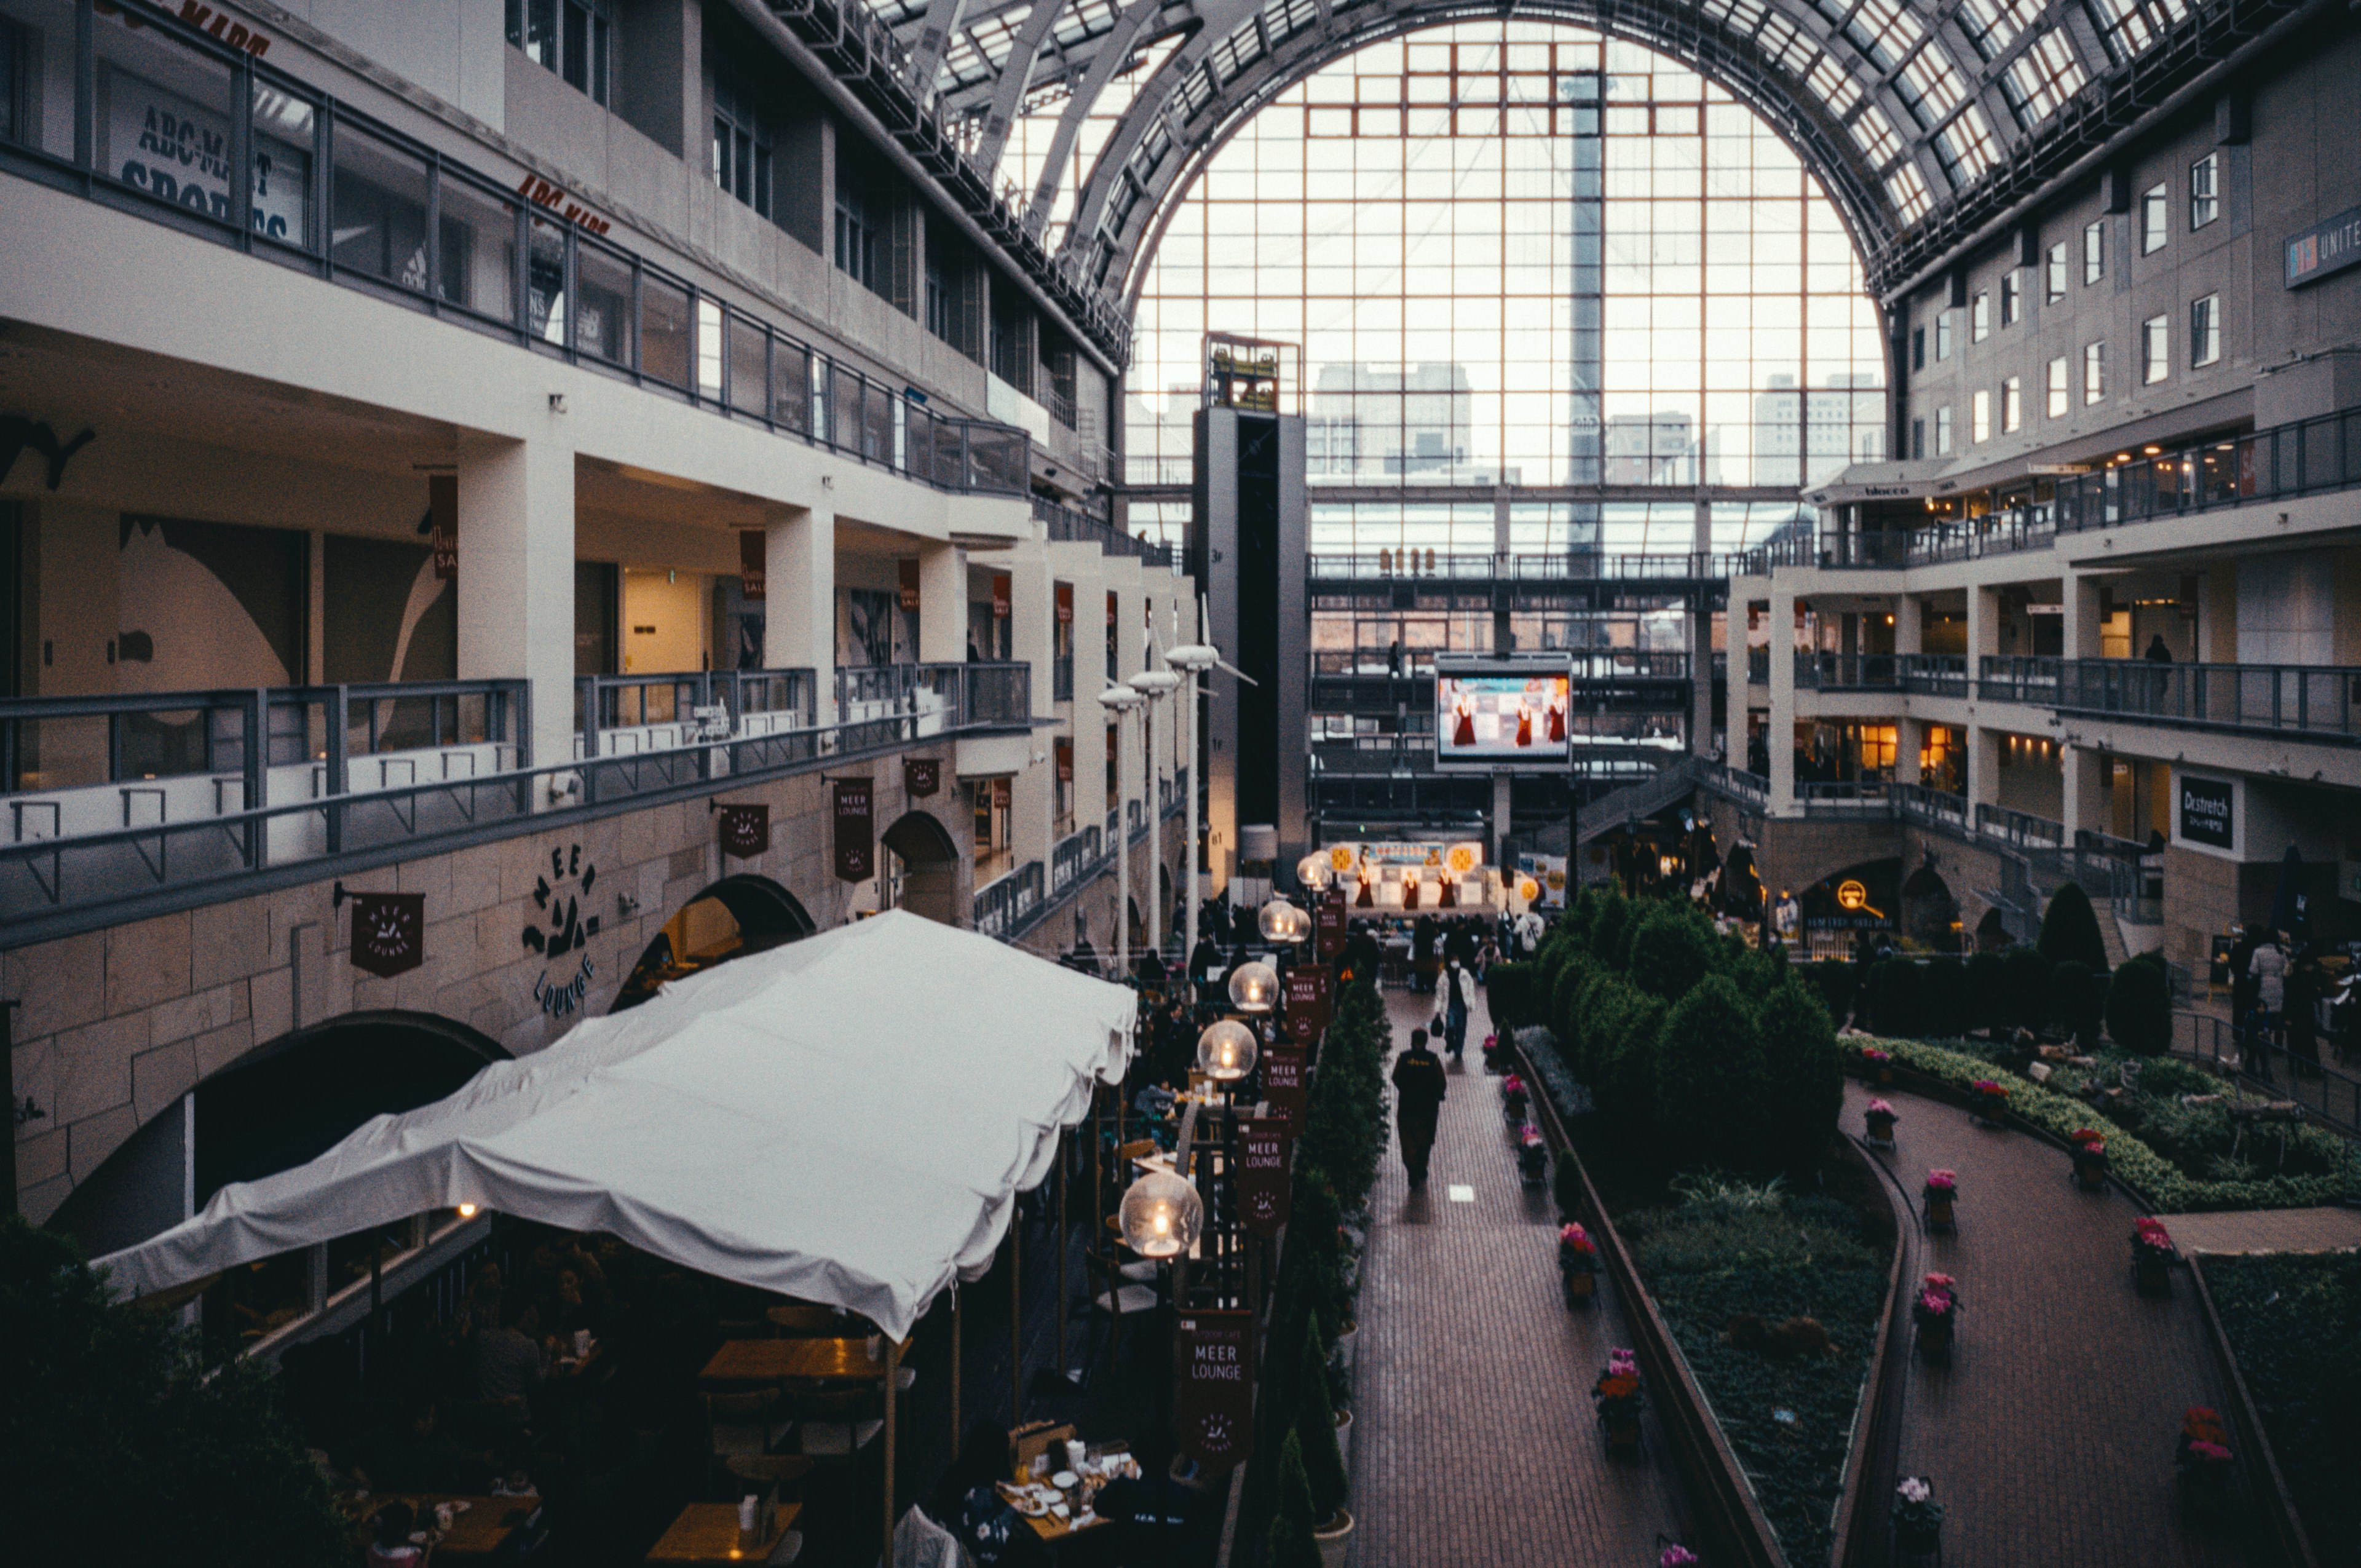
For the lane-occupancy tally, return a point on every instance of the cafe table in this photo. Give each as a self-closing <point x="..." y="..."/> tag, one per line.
<point x="707" y="1533"/>
<point x="486" y="1526"/>
<point x="742" y="1363"/>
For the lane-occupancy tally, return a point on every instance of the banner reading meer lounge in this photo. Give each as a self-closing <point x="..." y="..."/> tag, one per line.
<point x="856" y="838"/>
<point x="1213" y="1417"/>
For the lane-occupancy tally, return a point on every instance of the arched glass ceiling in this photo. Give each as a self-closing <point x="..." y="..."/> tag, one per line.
<point x="1917" y="98"/>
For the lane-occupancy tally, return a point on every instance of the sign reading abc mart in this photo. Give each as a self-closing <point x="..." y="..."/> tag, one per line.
<point x="2323" y="249"/>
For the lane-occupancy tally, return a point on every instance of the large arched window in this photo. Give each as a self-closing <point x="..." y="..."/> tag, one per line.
<point x="1420" y="217"/>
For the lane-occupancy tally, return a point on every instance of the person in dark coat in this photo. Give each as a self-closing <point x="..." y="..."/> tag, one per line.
<point x="1206" y="963"/>
<point x="1422" y="953"/>
<point x="1420" y="1086"/>
<point x="2302" y="995"/>
<point x="1455" y="987"/>
<point x="2244" y="989"/>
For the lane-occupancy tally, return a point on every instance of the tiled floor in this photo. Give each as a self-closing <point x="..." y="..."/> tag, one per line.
<point x="1474" y="1437"/>
<point x="2049" y="1437"/>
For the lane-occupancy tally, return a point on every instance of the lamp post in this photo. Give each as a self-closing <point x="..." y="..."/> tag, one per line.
<point x="1191" y="659"/>
<point x="1155" y="685"/>
<point x="1119" y="700"/>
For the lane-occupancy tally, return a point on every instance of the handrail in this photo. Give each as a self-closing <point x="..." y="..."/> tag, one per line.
<point x="1071" y="525"/>
<point x="2314" y="700"/>
<point x="1566" y="565"/>
<point x="1848" y="672"/>
<point x="564" y="289"/>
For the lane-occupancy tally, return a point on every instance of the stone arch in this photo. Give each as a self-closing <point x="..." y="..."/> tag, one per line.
<point x="1930" y="913"/>
<point x="733" y="917"/>
<point x="929" y="858"/>
<point x="275" y="1107"/>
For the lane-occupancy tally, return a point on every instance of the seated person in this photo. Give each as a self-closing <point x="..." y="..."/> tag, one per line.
<point x="1154" y="1102"/>
<point x="390" y="1546"/>
<point x="509" y="1359"/>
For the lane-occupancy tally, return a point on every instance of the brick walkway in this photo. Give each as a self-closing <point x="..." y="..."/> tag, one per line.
<point x="2049" y="1437"/>
<point x="2267" y="1230"/>
<point x="1474" y="1437"/>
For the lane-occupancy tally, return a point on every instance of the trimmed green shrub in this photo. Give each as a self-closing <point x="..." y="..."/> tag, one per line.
<point x="1620" y="1031"/>
<point x="2025" y="988"/>
<point x="112" y="1426"/>
<point x="1804" y="1076"/>
<point x="1894" y="991"/>
<point x="1710" y="1082"/>
<point x="1672" y="949"/>
<point x="1316" y="1429"/>
<point x="2077" y="999"/>
<point x="1291" y="1540"/>
<point x="1509" y="995"/>
<point x="1942" y="996"/>
<point x="1565" y="1015"/>
<point x="2139" y="1006"/>
<point x="1606" y="932"/>
<point x="2294" y="1323"/>
<point x="1835" y="980"/>
<point x="2070" y="930"/>
<point x="1987" y="1007"/>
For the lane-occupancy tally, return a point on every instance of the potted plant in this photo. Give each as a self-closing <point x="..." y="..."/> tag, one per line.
<point x="1532" y="1155"/>
<point x="1513" y="1099"/>
<point x="1937" y="1312"/>
<point x="1619" y="1398"/>
<point x="2152" y="1254"/>
<point x="2205" y="1460"/>
<point x="1880" y="1065"/>
<point x="1991" y="1102"/>
<point x="1577" y="1264"/>
<point x="1321" y="1436"/>
<point x="1675" y="1555"/>
<point x="1880" y="1117"/>
<point x="1940" y="1194"/>
<point x="1917" y="1517"/>
<point x="2089" y="1158"/>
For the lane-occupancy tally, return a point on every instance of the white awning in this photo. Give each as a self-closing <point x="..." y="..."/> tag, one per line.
<point x="847" y="1119"/>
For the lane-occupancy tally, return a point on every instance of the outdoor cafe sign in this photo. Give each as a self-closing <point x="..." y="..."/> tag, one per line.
<point x="1262" y="1184"/>
<point x="1214" y="1413"/>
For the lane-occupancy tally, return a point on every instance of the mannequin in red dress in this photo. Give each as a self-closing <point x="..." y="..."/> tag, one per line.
<point x="1464" y="732"/>
<point x="1556" y="718"/>
<point x="1524" y="722"/>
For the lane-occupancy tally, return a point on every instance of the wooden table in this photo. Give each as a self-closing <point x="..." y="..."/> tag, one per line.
<point x="708" y="1533"/>
<point x="741" y="1362"/>
<point x="1052" y="1529"/>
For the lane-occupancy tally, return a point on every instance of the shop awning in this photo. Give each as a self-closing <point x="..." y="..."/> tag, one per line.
<point x="847" y="1119"/>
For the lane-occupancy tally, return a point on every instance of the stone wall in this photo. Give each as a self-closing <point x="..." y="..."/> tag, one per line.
<point x="115" y="1025"/>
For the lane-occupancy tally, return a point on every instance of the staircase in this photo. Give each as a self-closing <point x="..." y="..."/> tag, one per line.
<point x="1632" y="802"/>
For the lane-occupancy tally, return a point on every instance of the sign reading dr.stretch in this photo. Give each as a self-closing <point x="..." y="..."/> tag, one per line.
<point x="2323" y="249"/>
<point x="2205" y="807"/>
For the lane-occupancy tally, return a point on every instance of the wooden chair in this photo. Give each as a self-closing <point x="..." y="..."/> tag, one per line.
<point x="805" y="1319"/>
<point x="756" y="1471"/>
<point x="835" y="1423"/>
<point x="1116" y="1296"/>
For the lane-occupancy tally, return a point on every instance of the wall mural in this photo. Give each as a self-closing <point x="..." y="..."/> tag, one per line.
<point x="561" y="930"/>
<point x="391" y="617"/>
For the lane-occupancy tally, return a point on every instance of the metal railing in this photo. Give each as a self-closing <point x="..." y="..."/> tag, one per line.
<point x="1004" y="906"/>
<point x="1072" y="856"/>
<point x="2254" y="1057"/>
<point x="1591" y="666"/>
<point x="1008" y="907"/>
<point x="2017" y="677"/>
<point x="2321" y="702"/>
<point x="1935" y="674"/>
<point x="1758" y="666"/>
<point x="1577" y="566"/>
<point x="299" y="177"/>
<point x="1845" y="796"/>
<point x="681" y="708"/>
<point x="1071" y="525"/>
<point x="1749" y="791"/>
<point x="1849" y="671"/>
<point x="2306" y="458"/>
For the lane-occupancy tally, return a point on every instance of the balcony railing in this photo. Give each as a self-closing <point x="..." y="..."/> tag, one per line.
<point x="1008" y="907"/>
<point x="1593" y="665"/>
<point x="1935" y="674"/>
<point x="1069" y="525"/>
<point x="1072" y="856"/>
<point x="300" y="178"/>
<point x="1849" y="671"/>
<point x="2307" y="458"/>
<point x="1004" y="907"/>
<point x="2017" y="677"/>
<point x="2315" y="701"/>
<point x="1758" y="666"/>
<point x="1579" y="566"/>
<point x="1844" y="797"/>
<point x="171" y="796"/>
<point x="1749" y="790"/>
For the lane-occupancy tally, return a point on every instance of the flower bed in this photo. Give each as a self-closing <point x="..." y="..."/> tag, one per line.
<point x="1774" y="1301"/>
<point x="2178" y="1185"/>
<point x="2294" y="1323"/>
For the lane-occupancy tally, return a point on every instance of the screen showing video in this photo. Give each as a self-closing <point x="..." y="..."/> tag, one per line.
<point x="1501" y="719"/>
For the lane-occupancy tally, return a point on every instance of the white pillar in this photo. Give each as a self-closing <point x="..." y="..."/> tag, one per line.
<point x="1781" y="736"/>
<point x="516" y="579"/>
<point x="943" y="603"/>
<point x="1032" y="804"/>
<point x="2083" y="797"/>
<point x="799" y="601"/>
<point x="1983" y="743"/>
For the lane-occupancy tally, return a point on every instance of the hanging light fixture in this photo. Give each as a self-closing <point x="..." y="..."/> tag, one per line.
<point x="1160" y="1215"/>
<point x="1254" y="987"/>
<point x="1313" y="872"/>
<point x="1226" y="1051"/>
<point x="1281" y="921"/>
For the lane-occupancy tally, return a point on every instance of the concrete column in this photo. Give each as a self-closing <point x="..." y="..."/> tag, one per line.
<point x="2083" y="796"/>
<point x="1983" y="765"/>
<point x="1077" y="566"/>
<point x="1701" y="677"/>
<point x="1033" y="798"/>
<point x="799" y="603"/>
<point x="516" y="579"/>
<point x="1983" y="629"/>
<point x="943" y="603"/>
<point x="2078" y="595"/>
<point x="1781" y="736"/>
<point x="1909" y="734"/>
<point x="1909" y="624"/>
<point x="1122" y="580"/>
<point x="1501" y="820"/>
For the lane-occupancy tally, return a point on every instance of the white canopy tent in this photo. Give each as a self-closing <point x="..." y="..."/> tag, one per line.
<point x="847" y="1119"/>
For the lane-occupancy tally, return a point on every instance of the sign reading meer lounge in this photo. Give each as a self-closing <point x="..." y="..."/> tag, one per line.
<point x="2205" y="806"/>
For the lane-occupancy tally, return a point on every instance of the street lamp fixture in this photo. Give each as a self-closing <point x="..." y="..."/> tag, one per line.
<point x="1254" y="987"/>
<point x="1226" y="1051"/>
<point x="1161" y="1215"/>
<point x="1283" y="922"/>
<point x="1313" y="872"/>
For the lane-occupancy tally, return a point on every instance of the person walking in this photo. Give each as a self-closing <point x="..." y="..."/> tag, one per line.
<point x="1420" y="1086"/>
<point x="1454" y="1008"/>
<point x="2268" y="967"/>
<point x="2242" y="987"/>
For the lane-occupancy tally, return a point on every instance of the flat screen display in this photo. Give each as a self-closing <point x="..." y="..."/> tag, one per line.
<point x="1490" y="719"/>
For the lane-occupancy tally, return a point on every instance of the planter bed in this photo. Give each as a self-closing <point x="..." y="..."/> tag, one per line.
<point x="2293" y="1322"/>
<point x="2186" y="1174"/>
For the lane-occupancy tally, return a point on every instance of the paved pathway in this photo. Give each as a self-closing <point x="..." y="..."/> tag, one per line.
<point x="2267" y="1230"/>
<point x="2049" y="1437"/>
<point x="1474" y="1437"/>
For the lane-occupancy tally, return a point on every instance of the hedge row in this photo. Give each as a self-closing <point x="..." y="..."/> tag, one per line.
<point x="2165" y="1184"/>
<point x="2294" y="1323"/>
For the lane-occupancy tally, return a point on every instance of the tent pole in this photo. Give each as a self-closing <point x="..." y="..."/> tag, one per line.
<point x="893" y="1390"/>
<point x="1064" y="1239"/>
<point x="1017" y="1320"/>
<point x="958" y="1336"/>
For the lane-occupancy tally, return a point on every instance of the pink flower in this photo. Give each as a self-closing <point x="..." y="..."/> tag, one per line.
<point x="1575" y="1236"/>
<point x="1942" y="1282"/>
<point x="1676" y="1557"/>
<point x="2210" y="1451"/>
<point x="1936" y="1302"/>
<point x="1881" y="1108"/>
<point x="1942" y="1180"/>
<point x="1870" y="1053"/>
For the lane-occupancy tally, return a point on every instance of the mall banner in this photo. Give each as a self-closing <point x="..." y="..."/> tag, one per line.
<point x="1263" y="1191"/>
<point x="856" y="837"/>
<point x="1213" y="1406"/>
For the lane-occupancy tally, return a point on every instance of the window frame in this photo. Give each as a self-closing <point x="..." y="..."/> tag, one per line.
<point x="2012" y="297"/>
<point x="2011" y="404"/>
<point x="554" y="50"/>
<point x="746" y="161"/>
<point x="2205" y="331"/>
<point x="2095" y="252"/>
<point x="2053" y="281"/>
<point x="2156" y="217"/>
<point x="2155" y="350"/>
<point x="2205" y="191"/>
<point x="2094" y="373"/>
<point x="1945" y="334"/>
<point x="1943" y="431"/>
<point x="1979" y="411"/>
<point x="1980" y="317"/>
<point x="2058" y="400"/>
